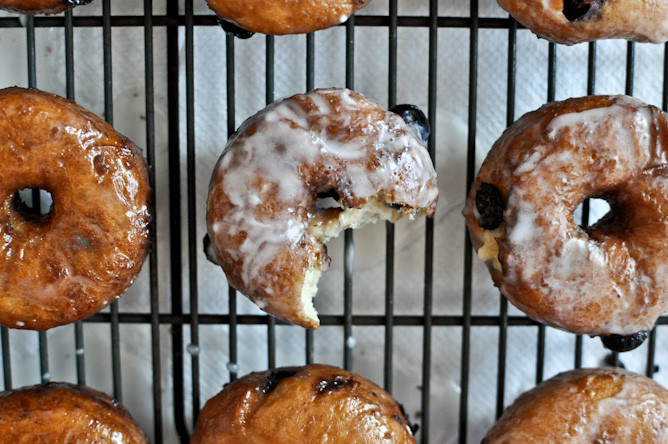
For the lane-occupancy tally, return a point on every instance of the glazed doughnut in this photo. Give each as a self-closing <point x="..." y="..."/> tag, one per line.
<point x="285" y="16"/>
<point x="266" y="229"/>
<point x="72" y="262"/>
<point x="65" y="413"/>
<point x="577" y="21"/>
<point x="40" y="6"/>
<point x="610" y="278"/>
<point x="302" y="405"/>
<point x="606" y="405"/>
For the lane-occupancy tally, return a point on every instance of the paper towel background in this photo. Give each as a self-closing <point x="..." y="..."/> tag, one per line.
<point x="371" y="64"/>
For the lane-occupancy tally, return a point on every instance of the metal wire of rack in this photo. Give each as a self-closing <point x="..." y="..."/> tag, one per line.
<point x="184" y="323"/>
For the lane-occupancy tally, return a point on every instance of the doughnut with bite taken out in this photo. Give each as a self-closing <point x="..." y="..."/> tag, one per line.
<point x="265" y="226"/>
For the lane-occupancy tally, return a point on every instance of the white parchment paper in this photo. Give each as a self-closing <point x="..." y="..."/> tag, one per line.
<point x="371" y="78"/>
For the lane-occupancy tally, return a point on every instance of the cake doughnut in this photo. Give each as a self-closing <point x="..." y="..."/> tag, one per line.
<point x="577" y="21"/>
<point x="33" y="7"/>
<point x="265" y="225"/>
<point x="73" y="261"/>
<point x="610" y="278"/>
<point x="65" y="413"/>
<point x="605" y="405"/>
<point x="302" y="405"/>
<point x="284" y="16"/>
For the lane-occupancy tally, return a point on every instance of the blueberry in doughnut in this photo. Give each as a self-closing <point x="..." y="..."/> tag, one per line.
<point x="610" y="278"/>
<point x="284" y="16"/>
<point x="40" y="6"/>
<point x="301" y="405"/>
<point x="577" y="21"/>
<point x="608" y="405"/>
<point x="267" y="231"/>
<point x="58" y="412"/>
<point x="72" y="262"/>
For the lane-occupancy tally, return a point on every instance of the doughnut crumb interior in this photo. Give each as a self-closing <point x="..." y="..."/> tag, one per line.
<point x="266" y="221"/>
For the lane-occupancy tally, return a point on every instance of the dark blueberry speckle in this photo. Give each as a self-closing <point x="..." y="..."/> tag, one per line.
<point x="578" y="9"/>
<point x="331" y="385"/>
<point x="414" y="427"/>
<point x="490" y="206"/>
<point x="415" y="119"/>
<point x="235" y="30"/>
<point x="208" y="250"/>
<point x="276" y="377"/>
<point x="76" y="2"/>
<point x="619" y="343"/>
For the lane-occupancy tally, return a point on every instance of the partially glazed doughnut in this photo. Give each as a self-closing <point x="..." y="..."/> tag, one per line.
<point x="576" y="21"/>
<point x="316" y="403"/>
<point x="610" y="278"/>
<point x="65" y="413"/>
<point x="266" y="229"/>
<point x="606" y="405"/>
<point x="40" y="6"/>
<point x="82" y="255"/>
<point x="285" y="16"/>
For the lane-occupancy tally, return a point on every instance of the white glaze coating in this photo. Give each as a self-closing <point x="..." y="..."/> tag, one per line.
<point x="266" y="181"/>
<point x="603" y="405"/>
<point x="637" y="20"/>
<point x="609" y="278"/>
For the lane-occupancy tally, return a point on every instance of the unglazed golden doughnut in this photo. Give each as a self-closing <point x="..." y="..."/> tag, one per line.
<point x="576" y="21"/>
<point x="285" y="16"/>
<point x="77" y="259"/>
<point x="65" y="413"/>
<point x="40" y="6"/>
<point x="266" y="229"/>
<point x="316" y="403"/>
<point x="606" y="405"/>
<point x="607" y="279"/>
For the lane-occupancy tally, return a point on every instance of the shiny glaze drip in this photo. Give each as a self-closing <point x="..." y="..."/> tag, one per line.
<point x="62" y="412"/>
<point x="611" y="277"/>
<point x="587" y="405"/>
<point x="276" y="163"/>
<point x="89" y="248"/>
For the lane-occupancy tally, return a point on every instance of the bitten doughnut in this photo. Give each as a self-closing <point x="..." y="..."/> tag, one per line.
<point x="79" y="257"/>
<point x="65" y="413"/>
<point x="605" y="405"/>
<point x="610" y="278"/>
<point x="285" y="16"/>
<point x="316" y="403"/>
<point x="264" y="222"/>
<point x="576" y="21"/>
<point x="40" y="6"/>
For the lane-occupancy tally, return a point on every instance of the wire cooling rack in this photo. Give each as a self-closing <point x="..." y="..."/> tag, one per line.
<point x="169" y="316"/>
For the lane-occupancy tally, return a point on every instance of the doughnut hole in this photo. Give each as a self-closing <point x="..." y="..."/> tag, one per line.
<point x="33" y="204"/>
<point x="577" y="9"/>
<point x="592" y="211"/>
<point x="327" y="197"/>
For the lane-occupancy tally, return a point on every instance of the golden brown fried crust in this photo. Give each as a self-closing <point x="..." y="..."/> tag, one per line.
<point x="91" y="246"/>
<point x="315" y="403"/>
<point x="609" y="278"/>
<point x="63" y="413"/>
<point x="285" y="16"/>
<point x="637" y="20"/>
<point x="34" y="6"/>
<point x="587" y="405"/>
<point x="264" y="189"/>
